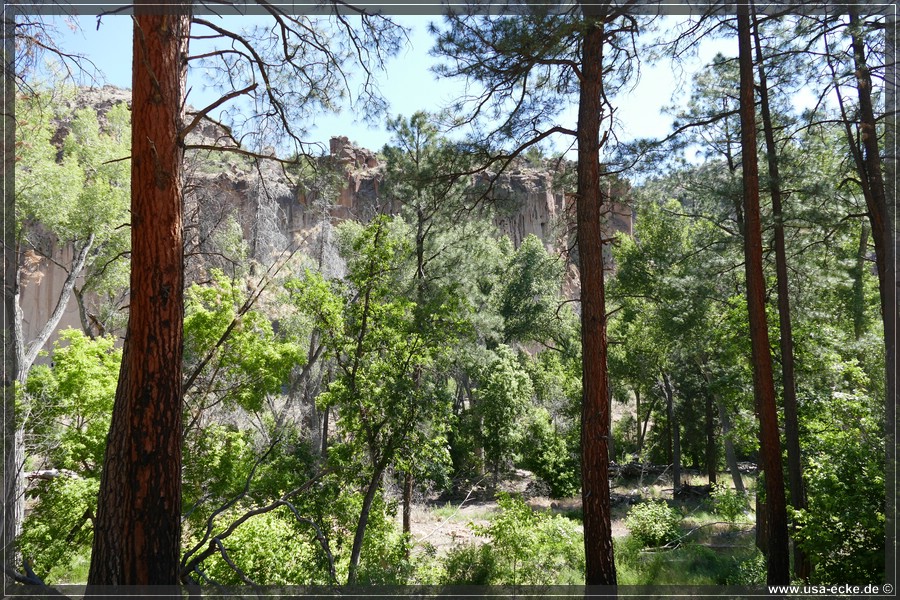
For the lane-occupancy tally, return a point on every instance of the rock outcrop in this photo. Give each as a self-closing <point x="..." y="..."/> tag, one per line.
<point x="273" y="209"/>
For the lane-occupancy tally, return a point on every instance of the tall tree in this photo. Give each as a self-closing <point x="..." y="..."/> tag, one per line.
<point x="527" y="65"/>
<point x="786" y="336"/>
<point x="137" y="532"/>
<point x="777" y="557"/>
<point x="600" y="568"/>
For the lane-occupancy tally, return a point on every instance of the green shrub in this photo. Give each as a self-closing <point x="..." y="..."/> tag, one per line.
<point x="524" y="548"/>
<point x="749" y="571"/>
<point x="545" y="452"/>
<point x="470" y="564"/>
<point x="728" y="502"/>
<point x="654" y="523"/>
<point x="269" y="549"/>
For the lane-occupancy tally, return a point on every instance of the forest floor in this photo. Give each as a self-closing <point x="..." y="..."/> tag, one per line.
<point x="440" y="523"/>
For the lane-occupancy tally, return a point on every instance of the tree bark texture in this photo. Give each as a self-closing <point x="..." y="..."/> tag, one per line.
<point x="802" y="565"/>
<point x="138" y="529"/>
<point x="777" y="557"/>
<point x="600" y="568"/>
<point x="876" y="199"/>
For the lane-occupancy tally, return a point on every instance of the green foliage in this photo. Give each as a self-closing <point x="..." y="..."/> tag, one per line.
<point x="502" y="399"/>
<point x="67" y="407"/>
<point x="728" y="502"/>
<point x="78" y="193"/>
<point x="249" y="363"/>
<point x="688" y="564"/>
<point x="268" y="548"/>
<point x="547" y="454"/>
<point x="57" y="534"/>
<point x="654" y="523"/>
<point x="842" y="529"/>
<point x="749" y="571"/>
<point x="70" y="402"/>
<point x="529" y="297"/>
<point x="524" y="548"/>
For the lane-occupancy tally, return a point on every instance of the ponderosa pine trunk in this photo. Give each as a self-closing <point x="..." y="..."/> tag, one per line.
<point x="802" y="565"/>
<point x="883" y="230"/>
<point x="600" y="568"/>
<point x="777" y="557"/>
<point x="137" y="532"/>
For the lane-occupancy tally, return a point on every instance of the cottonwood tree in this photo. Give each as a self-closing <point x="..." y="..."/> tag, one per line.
<point x="29" y="41"/>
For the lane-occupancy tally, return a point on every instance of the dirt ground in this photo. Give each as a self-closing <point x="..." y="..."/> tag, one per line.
<point x="442" y="522"/>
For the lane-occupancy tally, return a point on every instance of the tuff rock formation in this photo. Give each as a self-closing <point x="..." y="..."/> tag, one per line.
<point x="273" y="209"/>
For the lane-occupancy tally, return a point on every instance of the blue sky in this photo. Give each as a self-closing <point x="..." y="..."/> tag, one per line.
<point x="407" y="83"/>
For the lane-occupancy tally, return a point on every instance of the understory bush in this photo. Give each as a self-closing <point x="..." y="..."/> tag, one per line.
<point x="524" y="548"/>
<point x="728" y="503"/>
<point x="546" y="453"/>
<point x="654" y="523"/>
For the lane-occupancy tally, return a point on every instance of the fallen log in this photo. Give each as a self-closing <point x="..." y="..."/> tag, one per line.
<point x="48" y="474"/>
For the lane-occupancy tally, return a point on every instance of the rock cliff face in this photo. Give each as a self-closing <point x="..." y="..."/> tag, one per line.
<point x="529" y="200"/>
<point x="271" y="210"/>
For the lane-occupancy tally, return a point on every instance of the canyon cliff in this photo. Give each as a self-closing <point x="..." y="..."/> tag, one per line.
<point x="270" y="209"/>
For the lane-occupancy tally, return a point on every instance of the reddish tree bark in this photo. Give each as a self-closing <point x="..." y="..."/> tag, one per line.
<point x="802" y="565"/>
<point x="137" y="532"/>
<point x="777" y="557"/>
<point x="600" y="568"/>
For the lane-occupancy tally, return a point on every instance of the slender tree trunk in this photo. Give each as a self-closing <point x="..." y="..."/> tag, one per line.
<point x="876" y="199"/>
<point x="363" y="522"/>
<point x="600" y="568"/>
<point x="711" y="454"/>
<point x="883" y="232"/>
<point x="324" y="451"/>
<point x="408" y="481"/>
<point x="730" y="456"/>
<point x="675" y="434"/>
<point x="32" y="349"/>
<point x="137" y="532"/>
<point x="859" y="272"/>
<point x="637" y="421"/>
<point x="786" y="341"/>
<point x="778" y="560"/>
